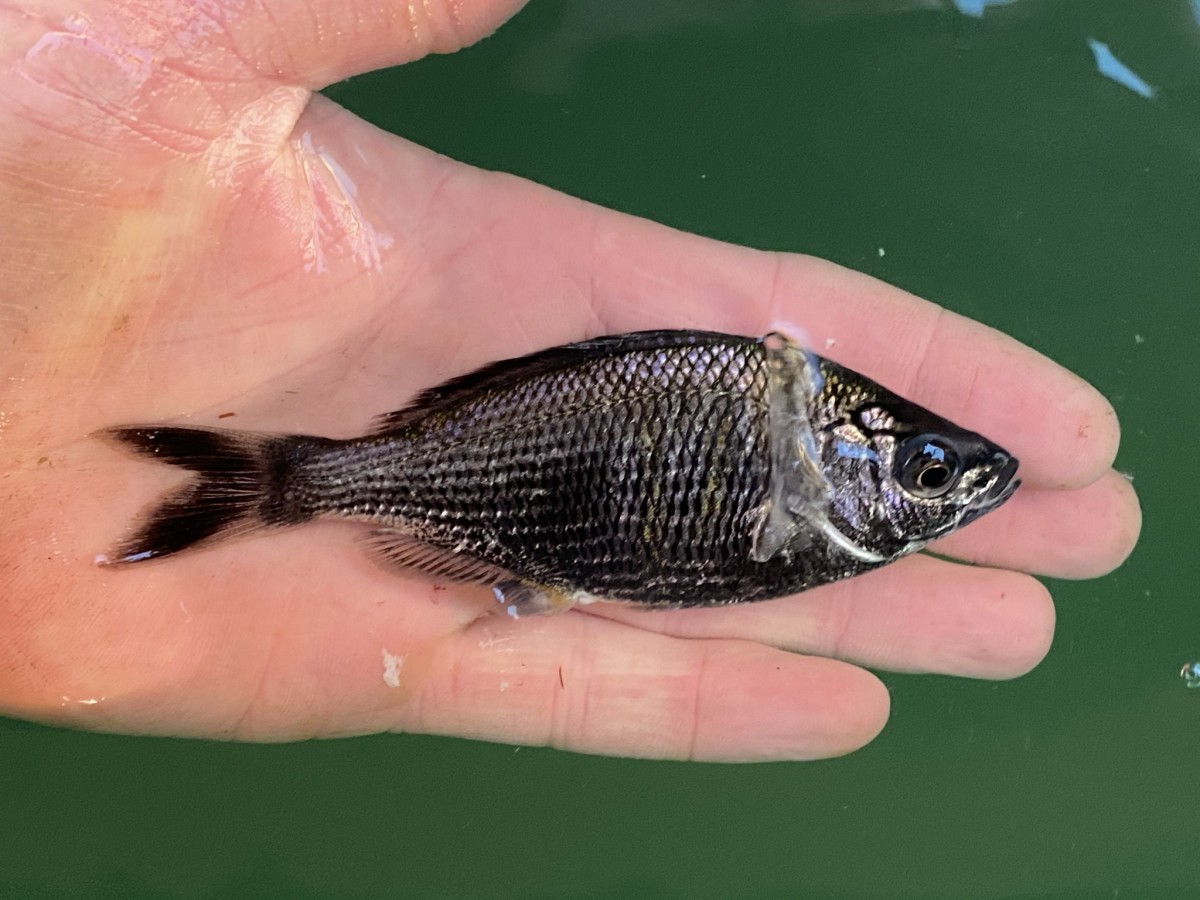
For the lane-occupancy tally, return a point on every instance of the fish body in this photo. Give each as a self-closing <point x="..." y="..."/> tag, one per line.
<point x="668" y="468"/>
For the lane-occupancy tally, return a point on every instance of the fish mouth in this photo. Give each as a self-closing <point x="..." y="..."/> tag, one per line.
<point x="1003" y="485"/>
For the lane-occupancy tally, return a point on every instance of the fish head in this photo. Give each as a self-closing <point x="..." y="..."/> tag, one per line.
<point x="898" y="476"/>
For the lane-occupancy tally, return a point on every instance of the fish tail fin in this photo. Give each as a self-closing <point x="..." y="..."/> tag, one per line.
<point x="237" y="476"/>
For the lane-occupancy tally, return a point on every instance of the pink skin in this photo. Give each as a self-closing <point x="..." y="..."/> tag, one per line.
<point x="189" y="233"/>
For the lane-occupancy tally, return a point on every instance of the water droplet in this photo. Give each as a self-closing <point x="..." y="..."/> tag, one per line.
<point x="1190" y="673"/>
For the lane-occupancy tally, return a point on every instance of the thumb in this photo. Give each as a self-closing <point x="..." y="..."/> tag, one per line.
<point x="112" y="103"/>
<point x="314" y="43"/>
<point x="173" y="75"/>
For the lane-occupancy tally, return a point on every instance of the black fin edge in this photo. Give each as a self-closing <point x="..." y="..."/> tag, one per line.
<point x="224" y="499"/>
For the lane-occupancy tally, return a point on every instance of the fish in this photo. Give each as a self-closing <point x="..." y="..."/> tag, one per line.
<point x="663" y="469"/>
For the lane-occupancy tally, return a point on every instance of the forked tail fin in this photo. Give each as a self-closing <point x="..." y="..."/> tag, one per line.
<point x="235" y="473"/>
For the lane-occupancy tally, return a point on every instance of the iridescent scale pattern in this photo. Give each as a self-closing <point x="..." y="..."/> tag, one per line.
<point x="637" y="474"/>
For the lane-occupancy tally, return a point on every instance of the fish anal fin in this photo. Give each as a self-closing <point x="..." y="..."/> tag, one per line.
<point x="401" y="551"/>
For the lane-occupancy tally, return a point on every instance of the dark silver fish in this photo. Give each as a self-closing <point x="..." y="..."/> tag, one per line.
<point x="668" y="468"/>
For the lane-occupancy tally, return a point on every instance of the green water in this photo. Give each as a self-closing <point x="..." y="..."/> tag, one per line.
<point x="1004" y="177"/>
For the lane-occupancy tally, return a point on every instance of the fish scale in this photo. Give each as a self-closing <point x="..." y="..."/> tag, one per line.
<point x="532" y="481"/>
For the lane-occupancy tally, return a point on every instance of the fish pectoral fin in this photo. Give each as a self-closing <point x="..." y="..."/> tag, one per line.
<point x="400" y="551"/>
<point x="771" y="533"/>
<point x="778" y="533"/>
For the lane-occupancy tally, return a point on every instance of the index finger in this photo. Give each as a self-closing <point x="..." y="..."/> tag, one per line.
<point x="1061" y="428"/>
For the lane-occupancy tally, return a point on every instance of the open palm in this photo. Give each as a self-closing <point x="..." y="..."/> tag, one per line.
<point x="190" y="235"/>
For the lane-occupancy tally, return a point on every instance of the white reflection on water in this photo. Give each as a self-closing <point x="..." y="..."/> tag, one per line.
<point x="1113" y="68"/>
<point x="976" y="7"/>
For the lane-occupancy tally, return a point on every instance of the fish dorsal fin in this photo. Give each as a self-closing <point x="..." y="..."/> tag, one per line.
<point x="508" y="372"/>
<point x="400" y="551"/>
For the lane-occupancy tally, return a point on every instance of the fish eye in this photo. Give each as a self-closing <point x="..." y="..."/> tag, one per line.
<point x="927" y="467"/>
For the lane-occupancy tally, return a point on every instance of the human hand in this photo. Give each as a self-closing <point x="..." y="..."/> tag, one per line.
<point x="190" y="233"/>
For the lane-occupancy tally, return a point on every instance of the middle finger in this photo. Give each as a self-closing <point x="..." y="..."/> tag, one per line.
<point x="918" y="615"/>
